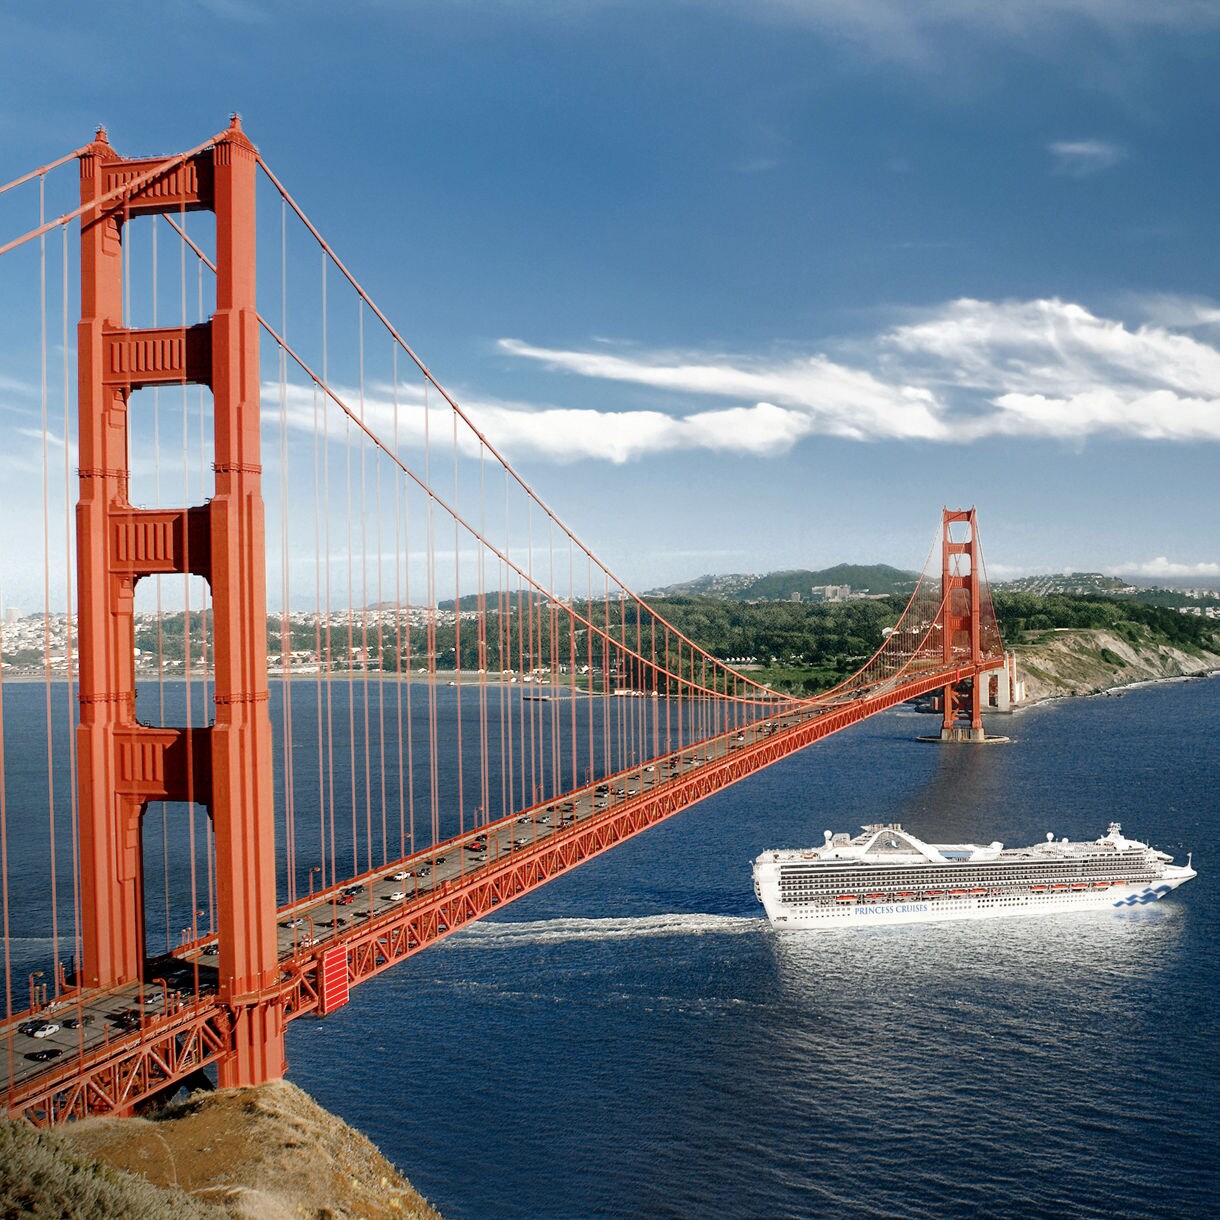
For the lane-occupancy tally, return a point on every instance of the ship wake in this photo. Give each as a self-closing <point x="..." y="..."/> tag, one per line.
<point x="485" y="934"/>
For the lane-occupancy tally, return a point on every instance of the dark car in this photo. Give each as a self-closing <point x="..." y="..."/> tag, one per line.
<point x="77" y="1022"/>
<point x="42" y="1056"/>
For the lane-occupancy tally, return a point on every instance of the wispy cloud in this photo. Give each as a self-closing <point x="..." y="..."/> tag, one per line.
<point x="965" y="371"/>
<point x="1083" y="158"/>
<point x="1167" y="569"/>
<point x="1053" y="368"/>
<point x="962" y="372"/>
<point x="914" y="33"/>
<point x="792" y="398"/>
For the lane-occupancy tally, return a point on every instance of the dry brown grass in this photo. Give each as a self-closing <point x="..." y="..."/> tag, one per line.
<point x="270" y="1153"/>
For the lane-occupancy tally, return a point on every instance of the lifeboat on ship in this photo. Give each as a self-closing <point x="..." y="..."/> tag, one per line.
<point x="846" y="898"/>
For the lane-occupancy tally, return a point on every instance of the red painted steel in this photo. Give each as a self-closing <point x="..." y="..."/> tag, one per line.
<point x="123" y="764"/>
<point x="383" y="942"/>
<point x="962" y="608"/>
<point x="333" y="992"/>
<point x="227" y="768"/>
<point x="121" y="1074"/>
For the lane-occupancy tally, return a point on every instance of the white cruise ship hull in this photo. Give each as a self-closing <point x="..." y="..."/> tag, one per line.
<point x="889" y="876"/>
<point x="995" y="903"/>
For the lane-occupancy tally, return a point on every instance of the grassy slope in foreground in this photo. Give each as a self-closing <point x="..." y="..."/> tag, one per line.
<point x="268" y="1152"/>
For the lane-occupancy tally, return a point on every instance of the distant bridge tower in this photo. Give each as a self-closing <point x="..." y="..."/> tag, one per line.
<point x="124" y="764"/>
<point x="960" y="590"/>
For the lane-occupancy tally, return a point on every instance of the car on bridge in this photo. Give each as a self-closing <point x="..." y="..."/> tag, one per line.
<point x="49" y="1052"/>
<point x="44" y="1029"/>
<point x="397" y="896"/>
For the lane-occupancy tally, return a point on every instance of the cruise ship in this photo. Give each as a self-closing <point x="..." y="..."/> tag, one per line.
<point x="887" y="875"/>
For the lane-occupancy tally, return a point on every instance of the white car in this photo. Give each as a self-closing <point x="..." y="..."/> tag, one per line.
<point x="397" y="896"/>
<point x="403" y="875"/>
<point x="46" y="1030"/>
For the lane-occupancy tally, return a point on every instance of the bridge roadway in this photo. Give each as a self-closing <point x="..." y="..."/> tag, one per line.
<point x="115" y="1047"/>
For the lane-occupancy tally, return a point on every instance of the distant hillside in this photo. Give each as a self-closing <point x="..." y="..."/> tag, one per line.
<point x="780" y="586"/>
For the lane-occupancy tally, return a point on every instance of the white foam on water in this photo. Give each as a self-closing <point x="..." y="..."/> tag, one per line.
<point x="554" y="931"/>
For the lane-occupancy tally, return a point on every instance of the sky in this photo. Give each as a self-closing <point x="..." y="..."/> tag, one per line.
<point x="737" y="286"/>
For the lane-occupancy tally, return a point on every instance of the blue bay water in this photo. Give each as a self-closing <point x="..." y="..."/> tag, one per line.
<point x="634" y="1039"/>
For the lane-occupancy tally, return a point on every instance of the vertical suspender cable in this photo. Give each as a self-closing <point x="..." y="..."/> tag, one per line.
<point x="350" y="687"/>
<point x="329" y="662"/>
<point x="69" y="603"/>
<point x="457" y="638"/>
<point x="398" y="666"/>
<point x="286" y="649"/>
<point x="382" y="675"/>
<point x="364" y="611"/>
<point x="46" y="580"/>
<point x="187" y="666"/>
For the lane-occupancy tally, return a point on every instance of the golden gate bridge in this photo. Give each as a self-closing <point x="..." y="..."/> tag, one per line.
<point x="358" y="686"/>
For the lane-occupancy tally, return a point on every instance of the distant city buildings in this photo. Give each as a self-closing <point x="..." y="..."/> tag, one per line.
<point x="833" y="593"/>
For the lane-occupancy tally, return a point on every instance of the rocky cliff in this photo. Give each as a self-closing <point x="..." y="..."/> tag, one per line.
<point x="1083" y="662"/>
<point x="270" y="1152"/>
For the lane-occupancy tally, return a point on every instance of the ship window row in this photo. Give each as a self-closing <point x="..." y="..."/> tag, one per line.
<point x="943" y="874"/>
<point x="889" y="885"/>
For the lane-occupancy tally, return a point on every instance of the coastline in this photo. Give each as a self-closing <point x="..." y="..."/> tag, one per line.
<point x="1084" y="663"/>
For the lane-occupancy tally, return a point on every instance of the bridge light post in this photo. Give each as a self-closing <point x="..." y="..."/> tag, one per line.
<point x="312" y="871"/>
<point x="164" y="995"/>
<point x="37" y="974"/>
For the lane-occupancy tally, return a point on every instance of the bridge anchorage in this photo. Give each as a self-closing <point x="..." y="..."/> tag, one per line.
<point x="470" y="705"/>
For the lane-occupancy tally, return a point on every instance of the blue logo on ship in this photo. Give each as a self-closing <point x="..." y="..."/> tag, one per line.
<point x="1151" y="894"/>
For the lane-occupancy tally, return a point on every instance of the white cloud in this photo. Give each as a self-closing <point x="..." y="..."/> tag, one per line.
<point x="1162" y="566"/>
<point x="962" y="372"/>
<point x="1083" y="158"/>
<point x="904" y="31"/>
<point x="967" y="370"/>
<point x="792" y="398"/>
<point x="1171" y="310"/>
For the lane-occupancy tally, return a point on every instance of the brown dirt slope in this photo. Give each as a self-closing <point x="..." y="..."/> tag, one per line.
<point x="270" y="1152"/>
<point x="1083" y="662"/>
<point x="39" y="1176"/>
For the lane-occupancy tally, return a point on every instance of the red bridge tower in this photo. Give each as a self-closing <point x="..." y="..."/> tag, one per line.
<point x="123" y="763"/>
<point x="960" y="590"/>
